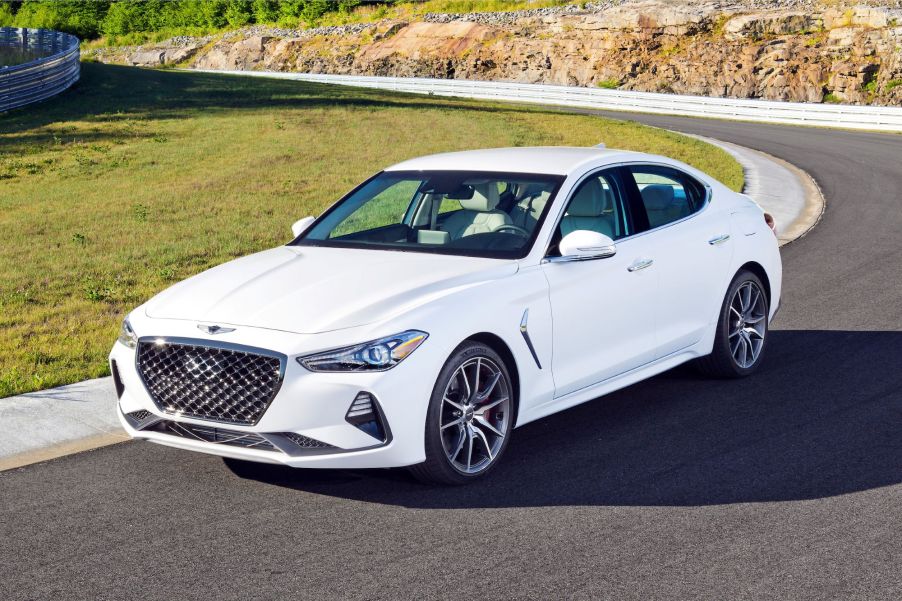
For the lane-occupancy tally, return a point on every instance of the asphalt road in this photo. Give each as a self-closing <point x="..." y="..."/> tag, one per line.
<point x="785" y="485"/>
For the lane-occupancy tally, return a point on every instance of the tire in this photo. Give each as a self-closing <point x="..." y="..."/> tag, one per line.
<point x="481" y="416"/>
<point x="727" y="359"/>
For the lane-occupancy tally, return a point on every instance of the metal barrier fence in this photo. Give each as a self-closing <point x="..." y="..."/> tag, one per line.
<point x="879" y="118"/>
<point x="42" y="77"/>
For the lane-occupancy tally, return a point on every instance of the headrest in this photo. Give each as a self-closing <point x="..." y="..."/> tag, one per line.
<point x="522" y="191"/>
<point x="590" y="201"/>
<point x="485" y="198"/>
<point x="657" y="197"/>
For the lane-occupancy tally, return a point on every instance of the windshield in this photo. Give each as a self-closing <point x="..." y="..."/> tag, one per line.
<point x="450" y="212"/>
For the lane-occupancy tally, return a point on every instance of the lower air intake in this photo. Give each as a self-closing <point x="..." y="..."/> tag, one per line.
<point x="247" y="440"/>
<point x="305" y="442"/>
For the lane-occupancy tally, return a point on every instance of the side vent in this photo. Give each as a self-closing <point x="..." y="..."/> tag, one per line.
<point x="117" y="379"/>
<point x="364" y="413"/>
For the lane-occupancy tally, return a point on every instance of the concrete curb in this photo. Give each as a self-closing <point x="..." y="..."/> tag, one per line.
<point x="44" y="425"/>
<point x="788" y="193"/>
<point x="59" y="421"/>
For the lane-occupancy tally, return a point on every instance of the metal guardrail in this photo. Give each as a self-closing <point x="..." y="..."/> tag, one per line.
<point x="879" y="118"/>
<point x="42" y="77"/>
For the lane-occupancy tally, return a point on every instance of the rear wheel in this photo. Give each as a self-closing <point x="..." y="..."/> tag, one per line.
<point x="470" y="417"/>
<point x="742" y="328"/>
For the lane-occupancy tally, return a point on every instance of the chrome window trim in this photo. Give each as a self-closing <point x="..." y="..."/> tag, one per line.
<point x="705" y="203"/>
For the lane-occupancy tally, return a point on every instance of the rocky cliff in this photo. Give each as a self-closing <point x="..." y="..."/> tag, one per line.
<point x="780" y="50"/>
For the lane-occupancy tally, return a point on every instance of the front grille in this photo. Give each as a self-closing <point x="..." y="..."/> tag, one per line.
<point x="248" y="440"/>
<point x="228" y="384"/>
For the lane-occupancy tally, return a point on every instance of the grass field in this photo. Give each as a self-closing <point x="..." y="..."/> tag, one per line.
<point x="136" y="179"/>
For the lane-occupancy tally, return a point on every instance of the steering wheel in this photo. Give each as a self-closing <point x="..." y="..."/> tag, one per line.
<point x="515" y="229"/>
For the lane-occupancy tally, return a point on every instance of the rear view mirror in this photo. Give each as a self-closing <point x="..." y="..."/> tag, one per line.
<point x="301" y="225"/>
<point x="585" y="245"/>
<point x="464" y="192"/>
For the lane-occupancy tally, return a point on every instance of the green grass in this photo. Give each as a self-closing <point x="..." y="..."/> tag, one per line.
<point x="136" y="179"/>
<point x="609" y="84"/>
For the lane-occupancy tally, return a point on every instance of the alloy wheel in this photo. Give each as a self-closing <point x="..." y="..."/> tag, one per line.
<point x="474" y="416"/>
<point x="748" y="324"/>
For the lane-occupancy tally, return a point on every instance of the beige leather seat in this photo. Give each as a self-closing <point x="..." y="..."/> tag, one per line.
<point x="660" y="206"/>
<point x="591" y="209"/>
<point x="479" y="214"/>
<point x="531" y="201"/>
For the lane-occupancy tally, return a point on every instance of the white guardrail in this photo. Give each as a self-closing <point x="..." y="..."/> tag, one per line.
<point x="877" y="118"/>
<point x="56" y="69"/>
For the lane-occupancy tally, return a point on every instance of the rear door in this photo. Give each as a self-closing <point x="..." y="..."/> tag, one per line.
<point x="690" y="242"/>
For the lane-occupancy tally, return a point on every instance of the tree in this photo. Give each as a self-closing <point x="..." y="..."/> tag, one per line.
<point x="239" y="12"/>
<point x="266" y="11"/>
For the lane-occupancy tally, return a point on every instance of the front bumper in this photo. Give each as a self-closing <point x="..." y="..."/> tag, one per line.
<point x="308" y="405"/>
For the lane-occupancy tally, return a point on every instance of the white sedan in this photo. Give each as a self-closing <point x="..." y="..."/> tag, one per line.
<point x="447" y="300"/>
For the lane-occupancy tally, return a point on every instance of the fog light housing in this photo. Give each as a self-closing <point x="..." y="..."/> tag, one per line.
<point x="365" y="415"/>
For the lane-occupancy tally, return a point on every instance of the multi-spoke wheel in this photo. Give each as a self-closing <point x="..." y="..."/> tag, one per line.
<point x="741" y="329"/>
<point x="470" y="417"/>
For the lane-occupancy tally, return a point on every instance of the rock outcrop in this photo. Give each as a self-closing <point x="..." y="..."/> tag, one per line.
<point x="772" y="49"/>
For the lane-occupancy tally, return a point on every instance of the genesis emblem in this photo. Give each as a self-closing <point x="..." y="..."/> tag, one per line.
<point x="214" y="329"/>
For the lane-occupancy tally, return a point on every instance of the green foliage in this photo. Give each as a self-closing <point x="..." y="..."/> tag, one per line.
<point x="612" y="83"/>
<point x="137" y="21"/>
<point x="832" y="98"/>
<point x="239" y="12"/>
<point x="90" y="18"/>
<point x="7" y="17"/>
<point x="893" y="84"/>
<point x="265" y="11"/>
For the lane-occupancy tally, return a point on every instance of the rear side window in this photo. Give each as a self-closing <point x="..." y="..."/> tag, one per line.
<point x="667" y="194"/>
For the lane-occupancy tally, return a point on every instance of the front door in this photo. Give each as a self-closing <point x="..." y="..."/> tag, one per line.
<point x="602" y="310"/>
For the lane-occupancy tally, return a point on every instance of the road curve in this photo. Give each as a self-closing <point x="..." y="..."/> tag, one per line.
<point x="785" y="485"/>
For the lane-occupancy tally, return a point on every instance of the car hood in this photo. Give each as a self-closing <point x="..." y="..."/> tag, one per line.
<point x="309" y="290"/>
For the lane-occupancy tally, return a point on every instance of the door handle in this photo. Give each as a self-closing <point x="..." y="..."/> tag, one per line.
<point x="719" y="239"/>
<point x="640" y="264"/>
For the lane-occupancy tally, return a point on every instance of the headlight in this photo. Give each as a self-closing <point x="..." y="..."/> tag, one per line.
<point x="127" y="335"/>
<point x="376" y="355"/>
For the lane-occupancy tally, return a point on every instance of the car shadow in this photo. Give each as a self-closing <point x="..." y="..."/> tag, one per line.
<point x="821" y="418"/>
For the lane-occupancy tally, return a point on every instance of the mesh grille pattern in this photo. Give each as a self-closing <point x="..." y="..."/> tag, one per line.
<point x="305" y="442"/>
<point x="140" y="414"/>
<point x="221" y="384"/>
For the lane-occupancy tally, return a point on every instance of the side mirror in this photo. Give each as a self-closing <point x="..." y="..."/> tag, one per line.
<point x="301" y="225"/>
<point x="585" y="245"/>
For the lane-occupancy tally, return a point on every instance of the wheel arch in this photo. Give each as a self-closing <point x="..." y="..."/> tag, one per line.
<point x="758" y="270"/>
<point x="497" y="344"/>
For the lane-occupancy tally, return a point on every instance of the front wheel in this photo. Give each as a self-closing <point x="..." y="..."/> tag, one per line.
<point x="470" y="417"/>
<point x="741" y="330"/>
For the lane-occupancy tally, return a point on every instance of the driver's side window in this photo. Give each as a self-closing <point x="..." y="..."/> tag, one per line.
<point x="596" y="205"/>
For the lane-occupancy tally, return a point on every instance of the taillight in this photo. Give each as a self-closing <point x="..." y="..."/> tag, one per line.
<point x="769" y="220"/>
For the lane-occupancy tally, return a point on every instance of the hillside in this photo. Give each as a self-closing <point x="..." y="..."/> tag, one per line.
<point x="781" y="50"/>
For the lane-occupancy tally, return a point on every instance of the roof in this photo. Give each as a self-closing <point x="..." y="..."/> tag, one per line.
<point x="558" y="160"/>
